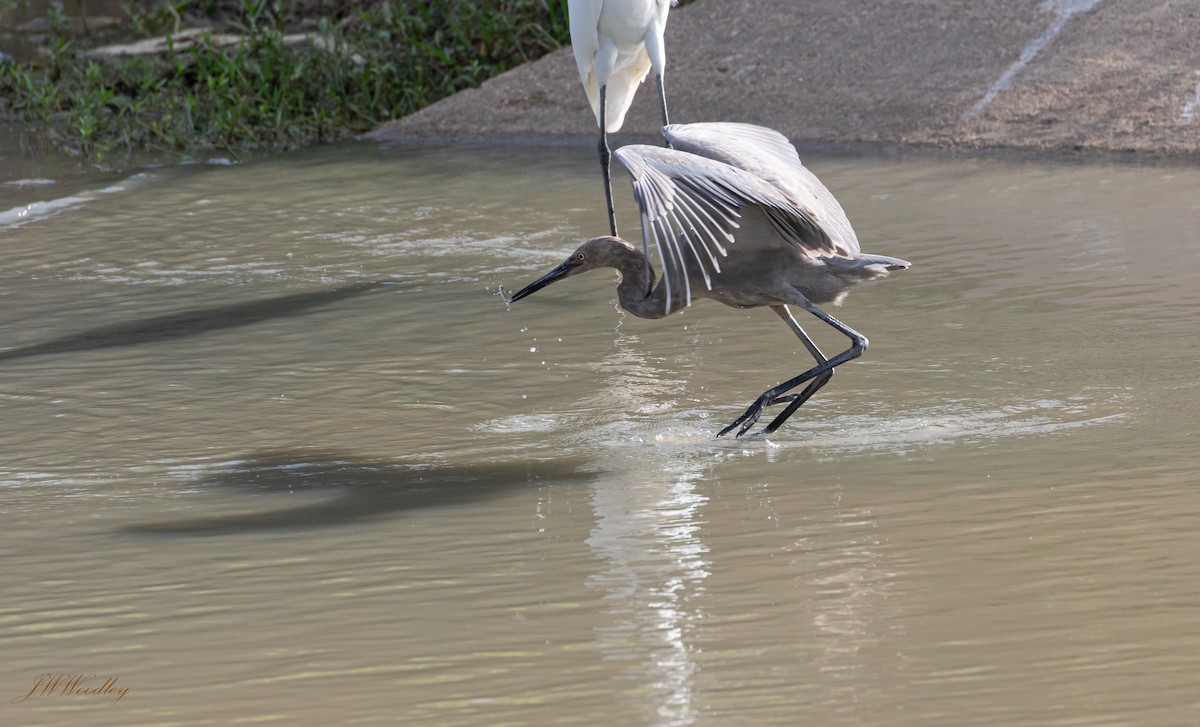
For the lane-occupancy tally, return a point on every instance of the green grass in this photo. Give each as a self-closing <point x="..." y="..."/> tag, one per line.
<point x="376" y="61"/>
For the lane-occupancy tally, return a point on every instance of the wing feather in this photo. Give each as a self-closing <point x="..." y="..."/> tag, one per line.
<point x="768" y="155"/>
<point x="685" y="199"/>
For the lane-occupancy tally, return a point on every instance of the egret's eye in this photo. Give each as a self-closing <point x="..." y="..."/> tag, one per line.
<point x="579" y="257"/>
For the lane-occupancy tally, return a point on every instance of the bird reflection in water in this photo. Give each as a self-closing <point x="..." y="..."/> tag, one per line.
<point x="647" y="535"/>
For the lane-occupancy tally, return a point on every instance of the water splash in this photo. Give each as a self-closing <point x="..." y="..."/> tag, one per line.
<point x="42" y="209"/>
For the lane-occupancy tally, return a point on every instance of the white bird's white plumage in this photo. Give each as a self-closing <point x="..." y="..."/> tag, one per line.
<point x="616" y="43"/>
<point x="692" y="196"/>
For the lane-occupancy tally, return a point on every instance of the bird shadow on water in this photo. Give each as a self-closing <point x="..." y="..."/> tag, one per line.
<point x="351" y="491"/>
<point x="192" y="322"/>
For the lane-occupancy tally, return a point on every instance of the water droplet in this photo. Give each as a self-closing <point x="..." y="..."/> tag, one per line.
<point x="524" y="396"/>
<point x="524" y="329"/>
<point x="533" y="349"/>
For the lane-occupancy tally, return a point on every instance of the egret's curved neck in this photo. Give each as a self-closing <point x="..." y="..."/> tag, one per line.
<point x="636" y="291"/>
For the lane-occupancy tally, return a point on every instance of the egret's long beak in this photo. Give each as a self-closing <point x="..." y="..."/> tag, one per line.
<point x="555" y="275"/>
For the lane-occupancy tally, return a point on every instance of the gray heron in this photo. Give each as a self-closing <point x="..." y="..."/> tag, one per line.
<point x="737" y="218"/>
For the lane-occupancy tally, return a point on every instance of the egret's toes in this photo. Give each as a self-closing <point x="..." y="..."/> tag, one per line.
<point x="749" y="423"/>
<point x="729" y="428"/>
<point x="746" y="420"/>
<point x="736" y="423"/>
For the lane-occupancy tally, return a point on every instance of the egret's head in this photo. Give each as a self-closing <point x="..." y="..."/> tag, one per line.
<point x="597" y="252"/>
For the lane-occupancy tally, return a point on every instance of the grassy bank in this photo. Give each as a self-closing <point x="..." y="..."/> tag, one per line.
<point x="298" y="73"/>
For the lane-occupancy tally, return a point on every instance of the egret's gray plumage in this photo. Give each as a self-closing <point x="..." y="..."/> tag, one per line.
<point x="769" y="156"/>
<point x="734" y="216"/>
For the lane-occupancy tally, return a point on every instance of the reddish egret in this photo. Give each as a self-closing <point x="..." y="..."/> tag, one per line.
<point x="737" y="218"/>
<point x="616" y="43"/>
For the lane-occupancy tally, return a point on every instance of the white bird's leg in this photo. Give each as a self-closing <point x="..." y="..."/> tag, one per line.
<point x="858" y="344"/>
<point x="606" y="164"/>
<point x="658" y="63"/>
<point x="662" y="102"/>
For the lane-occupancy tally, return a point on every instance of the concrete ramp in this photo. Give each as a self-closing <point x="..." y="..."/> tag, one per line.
<point x="1068" y="75"/>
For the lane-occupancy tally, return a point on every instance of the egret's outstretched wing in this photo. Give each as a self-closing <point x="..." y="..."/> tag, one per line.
<point x="690" y="208"/>
<point x="768" y="155"/>
<point x="758" y="149"/>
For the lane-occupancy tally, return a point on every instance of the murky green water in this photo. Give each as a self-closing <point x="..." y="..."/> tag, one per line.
<point x="273" y="449"/>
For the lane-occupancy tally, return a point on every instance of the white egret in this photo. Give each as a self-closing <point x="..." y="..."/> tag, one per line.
<point x="616" y="43"/>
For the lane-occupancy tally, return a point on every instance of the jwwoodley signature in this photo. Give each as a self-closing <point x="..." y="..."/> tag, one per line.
<point x="70" y="685"/>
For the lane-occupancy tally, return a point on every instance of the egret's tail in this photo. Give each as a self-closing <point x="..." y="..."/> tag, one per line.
<point x="621" y="88"/>
<point x="888" y="263"/>
<point x="864" y="266"/>
<point x="619" y="91"/>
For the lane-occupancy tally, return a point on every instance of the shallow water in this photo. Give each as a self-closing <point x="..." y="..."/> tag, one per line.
<point x="274" y="448"/>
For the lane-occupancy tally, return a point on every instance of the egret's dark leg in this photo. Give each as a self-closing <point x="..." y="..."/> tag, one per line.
<point x="606" y="164"/>
<point x="662" y="102"/>
<point x="858" y="344"/>
<point x="783" y="312"/>
<point x="797" y="400"/>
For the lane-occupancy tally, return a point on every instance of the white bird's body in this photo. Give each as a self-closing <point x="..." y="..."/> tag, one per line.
<point x="616" y="43"/>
